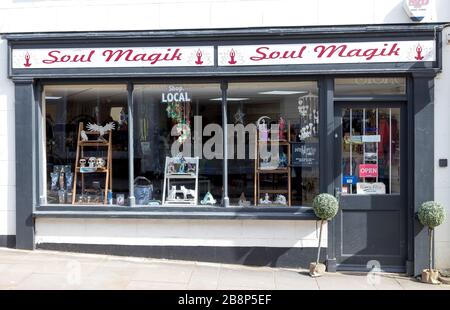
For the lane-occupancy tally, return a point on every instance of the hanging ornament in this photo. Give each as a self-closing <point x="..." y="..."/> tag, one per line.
<point x="174" y="111"/>
<point x="184" y="131"/>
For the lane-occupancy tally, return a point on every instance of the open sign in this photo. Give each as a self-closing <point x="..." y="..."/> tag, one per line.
<point x="368" y="170"/>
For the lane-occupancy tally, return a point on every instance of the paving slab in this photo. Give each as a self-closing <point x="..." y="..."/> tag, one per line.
<point x="160" y="272"/>
<point x="294" y="280"/>
<point x="40" y="269"/>
<point x="204" y="278"/>
<point x="263" y="278"/>
<point x="145" y="285"/>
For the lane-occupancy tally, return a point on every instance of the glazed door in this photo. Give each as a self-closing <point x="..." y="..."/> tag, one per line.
<point x="370" y="149"/>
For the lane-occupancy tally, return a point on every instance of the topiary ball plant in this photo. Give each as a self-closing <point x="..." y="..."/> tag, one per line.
<point x="431" y="214"/>
<point x="325" y="206"/>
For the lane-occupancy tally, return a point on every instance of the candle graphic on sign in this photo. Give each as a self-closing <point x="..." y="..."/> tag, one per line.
<point x="199" y="55"/>
<point x="27" y="60"/>
<point x="232" y="61"/>
<point x="419" y="52"/>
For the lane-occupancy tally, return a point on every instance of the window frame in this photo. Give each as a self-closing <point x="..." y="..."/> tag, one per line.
<point x="326" y="98"/>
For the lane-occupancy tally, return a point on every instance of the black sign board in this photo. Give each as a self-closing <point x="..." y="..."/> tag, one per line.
<point x="305" y="154"/>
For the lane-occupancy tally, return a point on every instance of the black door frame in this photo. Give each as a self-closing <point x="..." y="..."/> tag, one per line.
<point x="419" y="174"/>
<point x="376" y="201"/>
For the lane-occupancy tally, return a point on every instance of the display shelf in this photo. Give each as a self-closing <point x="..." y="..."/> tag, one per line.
<point x="172" y="189"/>
<point x="259" y="171"/>
<point x="80" y="153"/>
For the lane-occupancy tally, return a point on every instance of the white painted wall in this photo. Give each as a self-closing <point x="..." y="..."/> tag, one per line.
<point x="222" y="233"/>
<point x="85" y="15"/>
<point x="442" y="150"/>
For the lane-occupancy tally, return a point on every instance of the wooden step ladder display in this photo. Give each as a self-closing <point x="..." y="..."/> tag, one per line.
<point x="107" y="170"/>
<point x="284" y="145"/>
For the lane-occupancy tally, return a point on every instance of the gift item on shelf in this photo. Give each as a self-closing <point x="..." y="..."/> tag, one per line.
<point x="243" y="202"/>
<point x="84" y="136"/>
<point x="273" y="167"/>
<point x="179" y="174"/>
<point x="263" y="128"/>
<point x="85" y="164"/>
<point x="100" y="162"/>
<point x="120" y="199"/>
<point x="283" y="161"/>
<point x="280" y="199"/>
<point x="208" y="199"/>
<point x="266" y="199"/>
<point x="282" y="128"/>
<point x="92" y="161"/>
<point x="61" y="180"/>
<point x="69" y="180"/>
<point x="309" y="116"/>
<point x="143" y="190"/>
<point x="54" y="176"/>
<point x="100" y="130"/>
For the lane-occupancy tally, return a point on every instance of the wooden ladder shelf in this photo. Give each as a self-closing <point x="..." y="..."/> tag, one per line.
<point x="106" y="170"/>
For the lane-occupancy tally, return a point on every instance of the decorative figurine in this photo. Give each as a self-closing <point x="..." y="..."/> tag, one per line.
<point x="83" y="162"/>
<point x="266" y="199"/>
<point x="122" y="117"/>
<point x="170" y="168"/>
<point x="84" y="136"/>
<point x="182" y="168"/>
<point x="92" y="161"/>
<point x="54" y="180"/>
<point x="208" y="199"/>
<point x="282" y="128"/>
<point x="101" y="162"/>
<point x="190" y="168"/>
<point x="187" y="192"/>
<point x="101" y="129"/>
<point x="61" y="179"/>
<point x="280" y="199"/>
<point x="172" y="194"/>
<point x="262" y="127"/>
<point x="283" y="162"/>
<point x="243" y="202"/>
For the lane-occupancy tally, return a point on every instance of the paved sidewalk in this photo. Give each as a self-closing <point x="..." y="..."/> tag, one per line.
<point x="58" y="270"/>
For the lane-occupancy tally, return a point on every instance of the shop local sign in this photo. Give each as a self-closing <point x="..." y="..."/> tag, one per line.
<point x="417" y="9"/>
<point x="183" y="56"/>
<point x="368" y="170"/>
<point x="327" y="53"/>
<point x="175" y="94"/>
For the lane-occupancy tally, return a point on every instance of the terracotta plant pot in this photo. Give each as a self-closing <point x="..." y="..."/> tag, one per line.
<point x="430" y="276"/>
<point x="316" y="270"/>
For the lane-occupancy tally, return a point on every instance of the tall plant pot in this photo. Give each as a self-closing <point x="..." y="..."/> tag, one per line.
<point x="431" y="214"/>
<point x="325" y="207"/>
<point x="430" y="276"/>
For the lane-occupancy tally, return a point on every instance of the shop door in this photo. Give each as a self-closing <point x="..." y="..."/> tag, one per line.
<point x="370" y="148"/>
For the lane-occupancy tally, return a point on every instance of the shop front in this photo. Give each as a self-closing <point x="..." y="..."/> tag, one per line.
<point x="211" y="144"/>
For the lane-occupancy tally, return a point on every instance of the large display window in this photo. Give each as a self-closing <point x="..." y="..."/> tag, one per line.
<point x="86" y="142"/>
<point x="178" y="152"/>
<point x="178" y="156"/>
<point x="282" y="119"/>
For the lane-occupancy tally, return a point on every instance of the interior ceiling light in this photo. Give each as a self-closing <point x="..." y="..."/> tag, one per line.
<point x="229" y="99"/>
<point x="283" y="92"/>
<point x="52" y="98"/>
